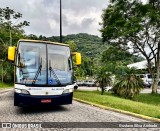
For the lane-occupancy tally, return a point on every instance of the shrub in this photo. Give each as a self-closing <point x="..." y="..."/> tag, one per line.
<point x="128" y="86"/>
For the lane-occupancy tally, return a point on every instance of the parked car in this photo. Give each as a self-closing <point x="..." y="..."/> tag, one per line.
<point x="147" y="79"/>
<point x="80" y="83"/>
<point x="89" y="83"/>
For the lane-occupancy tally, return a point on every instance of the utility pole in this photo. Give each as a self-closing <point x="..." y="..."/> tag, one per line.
<point x="60" y="22"/>
<point x="10" y="35"/>
<point x="8" y="16"/>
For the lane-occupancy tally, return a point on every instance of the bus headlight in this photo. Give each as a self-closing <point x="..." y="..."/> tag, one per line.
<point x="22" y="91"/>
<point x="17" y="90"/>
<point x="68" y="91"/>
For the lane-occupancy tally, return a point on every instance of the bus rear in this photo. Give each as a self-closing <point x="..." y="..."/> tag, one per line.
<point x="43" y="73"/>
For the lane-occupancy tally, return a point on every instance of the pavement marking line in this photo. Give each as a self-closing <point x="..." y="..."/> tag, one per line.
<point x="119" y="111"/>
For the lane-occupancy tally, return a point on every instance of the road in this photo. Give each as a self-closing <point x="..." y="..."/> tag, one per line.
<point x="76" y="112"/>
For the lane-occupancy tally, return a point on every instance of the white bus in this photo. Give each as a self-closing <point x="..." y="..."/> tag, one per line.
<point x="43" y="73"/>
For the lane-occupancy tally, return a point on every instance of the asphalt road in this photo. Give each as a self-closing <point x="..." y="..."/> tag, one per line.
<point x="76" y="112"/>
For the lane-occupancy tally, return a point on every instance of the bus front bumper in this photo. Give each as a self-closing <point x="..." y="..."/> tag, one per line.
<point x="23" y="100"/>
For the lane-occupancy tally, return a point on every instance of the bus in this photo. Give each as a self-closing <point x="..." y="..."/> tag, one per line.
<point x="43" y="73"/>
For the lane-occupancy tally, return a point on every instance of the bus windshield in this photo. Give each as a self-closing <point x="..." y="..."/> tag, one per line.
<point x="43" y="64"/>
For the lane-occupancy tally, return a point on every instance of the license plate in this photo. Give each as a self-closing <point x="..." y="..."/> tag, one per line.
<point x="46" y="101"/>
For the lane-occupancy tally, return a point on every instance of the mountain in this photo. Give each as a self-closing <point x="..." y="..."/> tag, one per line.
<point x="89" y="45"/>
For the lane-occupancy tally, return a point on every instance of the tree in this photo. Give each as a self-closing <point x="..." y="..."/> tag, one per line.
<point x="116" y="59"/>
<point x="33" y="37"/>
<point x="117" y="56"/>
<point x="131" y="24"/>
<point x="103" y="79"/>
<point x="10" y="32"/>
<point x="11" y="29"/>
<point x="72" y="45"/>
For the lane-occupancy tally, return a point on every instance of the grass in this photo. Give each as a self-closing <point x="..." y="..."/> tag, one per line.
<point x="5" y="85"/>
<point x="151" y="99"/>
<point x="145" y="104"/>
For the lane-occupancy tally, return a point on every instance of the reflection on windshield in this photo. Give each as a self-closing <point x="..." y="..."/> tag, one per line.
<point x="34" y="58"/>
<point x="30" y="58"/>
<point x="59" y="61"/>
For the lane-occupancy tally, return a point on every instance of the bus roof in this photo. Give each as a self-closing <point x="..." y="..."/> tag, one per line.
<point x="41" y="41"/>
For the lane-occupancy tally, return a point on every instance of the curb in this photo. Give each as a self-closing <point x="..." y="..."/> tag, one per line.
<point x="119" y="111"/>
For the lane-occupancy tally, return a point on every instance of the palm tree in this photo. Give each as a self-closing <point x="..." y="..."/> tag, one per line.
<point x="103" y="79"/>
<point x="128" y="85"/>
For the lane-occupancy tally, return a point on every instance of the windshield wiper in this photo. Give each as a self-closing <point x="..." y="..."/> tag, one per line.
<point x="37" y="73"/>
<point x="54" y="74"/>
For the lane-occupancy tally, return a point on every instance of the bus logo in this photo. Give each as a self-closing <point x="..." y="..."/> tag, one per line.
<point x="50" y="81"/>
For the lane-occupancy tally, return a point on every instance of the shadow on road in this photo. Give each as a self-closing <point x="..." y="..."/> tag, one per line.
<point x="32" y="110"/>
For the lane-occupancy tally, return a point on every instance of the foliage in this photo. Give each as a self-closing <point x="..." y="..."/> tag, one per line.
<point x="85" y="69"/>
<point x="11" y="29"/>
<point x="72" y="45"/>
<point x="118" y="56"/>
<point x="10" y="32"/>
<point x="6" y="72"/>
<point x="115" y="60"/>
<point x="137" y="25"/>
<point x="6" y="85"/>
<point x="128" y="85"/>
<point x="103" y="79"/>
<point x="79" y="73"/>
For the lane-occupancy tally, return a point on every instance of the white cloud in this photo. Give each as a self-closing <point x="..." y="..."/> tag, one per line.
<point x="78" y="16"/>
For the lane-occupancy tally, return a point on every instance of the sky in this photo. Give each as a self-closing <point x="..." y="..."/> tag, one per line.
<point x="78" y="16"/>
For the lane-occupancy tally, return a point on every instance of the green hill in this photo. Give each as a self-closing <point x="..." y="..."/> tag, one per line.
<point x="89" y="45"/>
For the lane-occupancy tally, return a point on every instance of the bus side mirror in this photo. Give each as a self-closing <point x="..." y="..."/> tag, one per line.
<point x="78" y="58"/>
<point x="11" y="53"/>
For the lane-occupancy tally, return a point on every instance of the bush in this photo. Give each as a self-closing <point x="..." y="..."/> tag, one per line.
<point x="128" y="86"/>
<point x="8" y="72"/>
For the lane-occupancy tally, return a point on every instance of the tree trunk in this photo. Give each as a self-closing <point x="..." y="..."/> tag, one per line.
<point x="156" y="80"/>
<point x="154" y="87"/>
<point x="102" y="90"/>
<point x="151" y="71"/>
